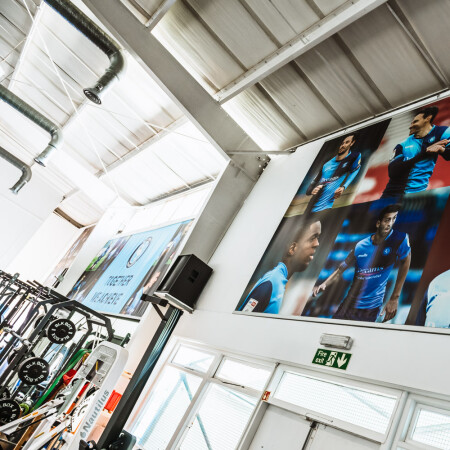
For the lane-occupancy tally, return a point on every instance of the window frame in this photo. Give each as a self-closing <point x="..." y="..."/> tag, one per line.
<point x="334" y="422"/>
<point x="207" y="380"/>
<point x="416" y="403"/>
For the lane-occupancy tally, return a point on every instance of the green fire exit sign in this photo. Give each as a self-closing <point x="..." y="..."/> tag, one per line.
<point x="331" y="358"/>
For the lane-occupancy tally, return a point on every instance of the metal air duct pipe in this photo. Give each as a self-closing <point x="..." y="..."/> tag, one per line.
<point x="40" y="120"/>
<point x="99" y="38"/>
<point x="26" y="170"/>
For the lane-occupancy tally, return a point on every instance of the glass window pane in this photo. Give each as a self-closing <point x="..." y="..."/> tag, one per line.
<point x="433" y="429"/>
<point x="168" y="402"/>
<point x="220" y="421"/>
<point x="193" y="359"/>
<point x="240" y="373"/>
<point x="357" y="406"/>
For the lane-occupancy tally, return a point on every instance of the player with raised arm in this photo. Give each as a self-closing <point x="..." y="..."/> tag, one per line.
<point x="268" y="292"/>
<point x="335" y="176"/>
<point x="373" y="259"/>
<point x="414" y="159"/>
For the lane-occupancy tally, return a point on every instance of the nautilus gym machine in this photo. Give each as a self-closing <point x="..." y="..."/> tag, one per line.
<point x="47" y="386"/>
<point x="63" y="421"/>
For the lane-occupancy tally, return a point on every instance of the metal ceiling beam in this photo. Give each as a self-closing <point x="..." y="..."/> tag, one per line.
<point x="341" y="17"/>
<point x="214" y="123"/>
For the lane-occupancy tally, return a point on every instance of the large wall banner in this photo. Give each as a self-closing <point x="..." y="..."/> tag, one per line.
<point x="365" y="237"/>
<point x="127" y="267"/>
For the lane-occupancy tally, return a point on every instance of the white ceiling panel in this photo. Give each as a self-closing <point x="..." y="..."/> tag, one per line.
<point x="235" y="28"/>
<point x="276" y="25"/>
<point x="296" y="98"/>
<point x="261" y="120"/>
<point x="38" y="58"/>
<point x="178" y="161"/>
<point x="389" y="57"/>
<point x="298" y="14"/>
<point x="40" y="101"/>
<point x="42" y="82"/>
<point x="428" y="19"/>
<point x="196" y="49"/>
<point x="338" y="80"/>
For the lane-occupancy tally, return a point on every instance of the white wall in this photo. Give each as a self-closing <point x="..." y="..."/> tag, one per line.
<point x="24" y="213"/>
<point x="44" y="250"/>
<point x="399" y="358"/>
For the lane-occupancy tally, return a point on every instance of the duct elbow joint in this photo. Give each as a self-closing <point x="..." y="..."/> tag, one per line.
<point x="118" y="64"/>
<point x="53" y="145"/>
<point x="23" y="180"/>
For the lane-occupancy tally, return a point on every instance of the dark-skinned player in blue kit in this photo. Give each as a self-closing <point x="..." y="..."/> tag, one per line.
<point x="267" y="294"/>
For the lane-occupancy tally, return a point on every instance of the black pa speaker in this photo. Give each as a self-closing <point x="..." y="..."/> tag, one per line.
<point x="184" y="281"/>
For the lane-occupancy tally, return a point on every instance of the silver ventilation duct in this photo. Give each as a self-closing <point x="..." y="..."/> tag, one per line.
<point x="99" y="38"/>
<point x="26" y="170"/>
<point x="40" y="120"/>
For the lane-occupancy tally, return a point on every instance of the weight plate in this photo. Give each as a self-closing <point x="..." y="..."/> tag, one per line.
<point x="9" y="411"/>
<point x="33" y="371"/>
<point x="61" y="331"/>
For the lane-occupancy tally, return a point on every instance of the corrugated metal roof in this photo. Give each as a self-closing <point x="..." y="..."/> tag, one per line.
<point x="376" y="63"/>
<point x="365" y="65"/>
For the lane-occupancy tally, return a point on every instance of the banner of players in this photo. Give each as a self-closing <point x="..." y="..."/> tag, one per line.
<point x="365" y="237"/>
<point x="127" y="267"/>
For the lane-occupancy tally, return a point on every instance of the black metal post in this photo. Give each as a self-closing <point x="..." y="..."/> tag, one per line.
<point x="139" y="380"/>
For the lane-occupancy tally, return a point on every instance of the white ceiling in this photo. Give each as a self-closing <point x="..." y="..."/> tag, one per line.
<point x="286" y="71"/>
<point x="138" y="135"/>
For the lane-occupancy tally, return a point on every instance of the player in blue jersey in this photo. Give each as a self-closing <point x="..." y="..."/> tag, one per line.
<point x="336" y="175"/>
<point x="373" y="259"/>
<point x="413" y="161"/>
<point x="267" y="294"/>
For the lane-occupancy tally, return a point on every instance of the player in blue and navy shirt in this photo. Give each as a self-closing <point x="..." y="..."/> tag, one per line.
<point x="413" y="161"/>
<point x="268" y="292"/>
<point x="336" y="175"/>
<point x="373" y="259"/>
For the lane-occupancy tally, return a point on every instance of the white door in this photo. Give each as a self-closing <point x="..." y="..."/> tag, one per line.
<point x="280" y="429"/>
<point x="325" y="438"/>
<point x="284" y="430"/>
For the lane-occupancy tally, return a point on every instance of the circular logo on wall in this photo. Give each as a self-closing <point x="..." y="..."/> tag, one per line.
<point x="140" y="250"/>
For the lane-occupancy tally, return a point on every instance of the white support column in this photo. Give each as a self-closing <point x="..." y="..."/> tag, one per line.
<point x="324" y="28"/>
<point x="215" y="124"/>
